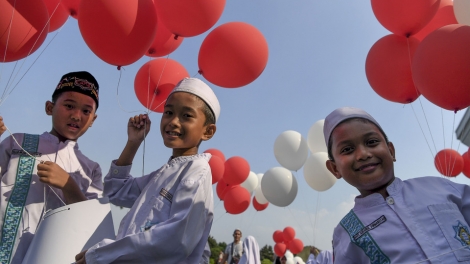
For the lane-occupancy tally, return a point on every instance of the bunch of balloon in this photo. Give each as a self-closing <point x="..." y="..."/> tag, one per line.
<point x="317" y="176"/>
<point x="118" y="32"/>
<point x="155" y="80"/>
<point x="232" y="55"/>
<point x="449" y="162"/>
<point x="24" y="26"/>
<point x="388" y="68"/>
<point x="259" y="196"/>
<point x="285" y="240"/>
<point x="236" y="198"/>
<point x="164" y="43"/>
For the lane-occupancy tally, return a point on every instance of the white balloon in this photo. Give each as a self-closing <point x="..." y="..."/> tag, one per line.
<point x="289" y="255"/>
<point x="279" y="186"/>
<point x="290" y="261"/>
<point x="316" y="174"/>
<point x="462" y="11"/>
<point x="291" y="150"/>
<point x="258" y="192"/>
<point x="315" y="137"/>
<point x="251" y="182"/>
<point x="298" y="260"/>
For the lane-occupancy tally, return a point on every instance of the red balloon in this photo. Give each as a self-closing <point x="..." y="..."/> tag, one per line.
<point x="164" y="42"/>
<point x="296" y="246"/>
<point x="233" y="55"/>
<point x="155" y="80"/>
<point x="441" y="67"/>
<point x="288" y="234"/>
<point x="237" y="200"/>
<point x="280" y="249"/>
<point x="72" y="7"/>
<point x="466" y="164"/>
<point x="189" y="18"/>
<point x="404" y="17"/>
<point x="236" y="171"/>
<point x="26" y="32"/>
<point x="216" y="152"/>
<point x="258" y="206"/>
<point x="388" y="68"/>
<point x="278" y="236"/>
<point x="449" y="162"/>
<point x="222" y="188"/>
<point x="58" y="15"/>
<point x="217" y="168"/>
<point x="444" y="16"/>
<point x="118" y="31"/>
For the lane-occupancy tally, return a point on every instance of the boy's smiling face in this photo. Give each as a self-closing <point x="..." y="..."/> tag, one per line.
<point x="72" y="114"/>
<point x="182" y="124"/>
<point x="362" y="156"/>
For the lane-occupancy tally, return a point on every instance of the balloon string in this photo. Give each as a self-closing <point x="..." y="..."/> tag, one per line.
<point x="117" y="94"/>
<point x="440" y="255"/>
<point x="29" y="68"/>
<point x="216" y="220"/>
<point x="156" y="87"/>
<point x="421" y="128"/>
<point x="309" y="216"/>
<point x="295" y="218"/>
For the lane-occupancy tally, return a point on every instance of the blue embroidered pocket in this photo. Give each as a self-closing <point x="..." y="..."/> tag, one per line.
<point x="454" y="228"/>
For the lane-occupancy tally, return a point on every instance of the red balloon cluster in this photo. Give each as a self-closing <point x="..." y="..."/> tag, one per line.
<point x="285" y="240"/>
<point x="449" y="162"/>
<point x="229" y="174"/>
<point x="466" y="164"/>
<point x="435" y="64"/>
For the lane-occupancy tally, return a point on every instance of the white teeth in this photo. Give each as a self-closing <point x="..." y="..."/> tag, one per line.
<point x="174" y="133"/>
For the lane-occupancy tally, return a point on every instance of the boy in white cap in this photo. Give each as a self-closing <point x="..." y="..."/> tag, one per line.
<point x="421" y="220"/>
<point x="171" y="208"/>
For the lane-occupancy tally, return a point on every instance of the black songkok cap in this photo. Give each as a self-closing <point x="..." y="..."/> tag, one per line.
<point x="80" y="82"/>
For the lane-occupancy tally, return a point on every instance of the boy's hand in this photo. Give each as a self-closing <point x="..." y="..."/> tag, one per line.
<point x="138" y="127"/>
<point x="80" y="257"/>
<point x="3" y="128"/>
<point x="52" y="174"/>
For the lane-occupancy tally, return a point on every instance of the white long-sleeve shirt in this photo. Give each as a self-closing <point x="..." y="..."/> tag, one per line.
<point x="324" y="257"/>
<point x="31" y="197"/>
<point x="170" y="217"/>
<point x="419" y="220"/>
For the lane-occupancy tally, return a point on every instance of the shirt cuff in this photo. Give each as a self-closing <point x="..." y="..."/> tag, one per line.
<point x="116" y="171"/>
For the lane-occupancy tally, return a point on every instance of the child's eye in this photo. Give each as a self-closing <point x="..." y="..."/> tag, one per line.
<point x="346" y="150"/>
<point x="372" y="141"/>
<point x="187" y="115"/>
<point x="86" y="112"/>
<point x="68" y="106"/>
<point x="167" y="112"/>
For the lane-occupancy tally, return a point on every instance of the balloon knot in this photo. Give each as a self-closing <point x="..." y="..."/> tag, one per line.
<point x="176" y="37"/>
<point x="200" y="72"/>
<point x="151" y="51"/>
<point x="118" y="68"/>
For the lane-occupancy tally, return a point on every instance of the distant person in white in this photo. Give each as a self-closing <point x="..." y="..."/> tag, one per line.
<point x="234" y="250"/>
<point x="324" y="257"/>
<point x="250" y="251"/>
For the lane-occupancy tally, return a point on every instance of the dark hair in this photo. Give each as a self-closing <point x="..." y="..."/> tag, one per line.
<point x="330" y="144"/>
<point x="210" y="117"/>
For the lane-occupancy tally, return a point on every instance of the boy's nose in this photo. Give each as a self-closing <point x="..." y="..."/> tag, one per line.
<point x="362" y="153"/>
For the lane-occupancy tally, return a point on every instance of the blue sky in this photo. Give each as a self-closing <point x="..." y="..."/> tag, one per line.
<point x="317" y="52"/>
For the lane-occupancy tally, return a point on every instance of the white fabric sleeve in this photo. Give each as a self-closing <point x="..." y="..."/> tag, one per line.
<point x="95" y="190"/>
<point x="121" y="188"/>
<point x="170" y="241"/>
<point x="5" y="154"/>
<point x="463" y="199"/>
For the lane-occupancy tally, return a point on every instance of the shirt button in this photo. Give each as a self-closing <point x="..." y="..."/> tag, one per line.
<point x="115" y="171"/>
<point x="390" y="200"/>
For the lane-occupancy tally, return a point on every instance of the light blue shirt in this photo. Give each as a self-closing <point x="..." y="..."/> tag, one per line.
<point x="420" y="219"/>
<point x="170" y="217"/>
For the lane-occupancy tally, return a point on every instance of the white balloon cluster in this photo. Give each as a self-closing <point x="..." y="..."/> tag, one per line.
<point x="290" y="259"/>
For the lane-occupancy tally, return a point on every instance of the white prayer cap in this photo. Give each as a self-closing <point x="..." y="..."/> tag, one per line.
<point x="341" y="114"/>
<point x="200" y="89"/>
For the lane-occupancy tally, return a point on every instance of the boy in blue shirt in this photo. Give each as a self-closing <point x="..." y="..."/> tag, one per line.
<point x="420" y="220"/>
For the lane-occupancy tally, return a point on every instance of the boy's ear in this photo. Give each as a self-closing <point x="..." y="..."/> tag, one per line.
<point x="391" y="148"/>
<point x="48" y="107"/>
<point x="331" y="166"/>
<point x="94" y="118"/>
<point x="209" y="132"/>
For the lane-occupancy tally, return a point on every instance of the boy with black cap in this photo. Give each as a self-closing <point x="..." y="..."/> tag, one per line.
<point x="172" y="208"/>
<point x="420" y="220"/>
<point x="62" y="175"/>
